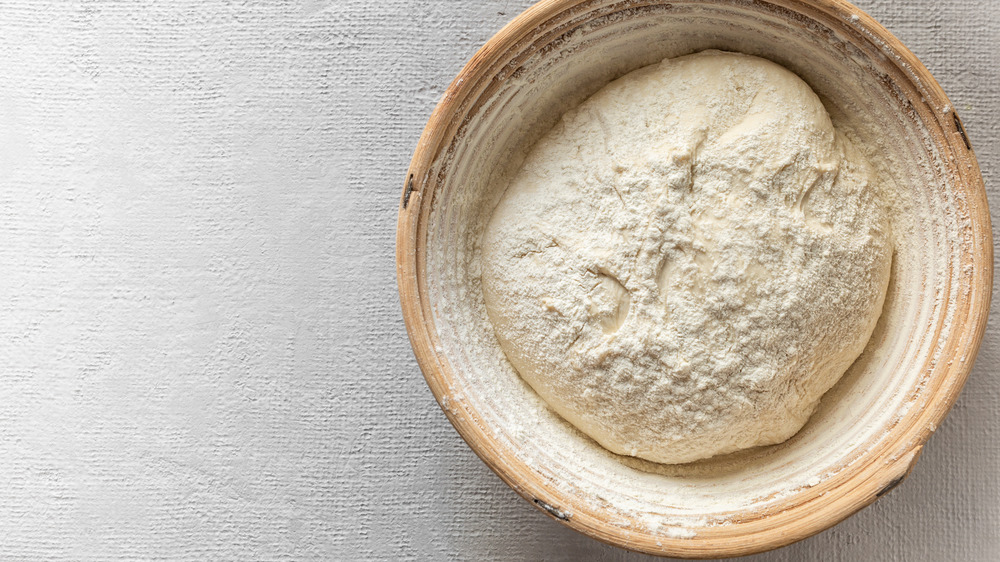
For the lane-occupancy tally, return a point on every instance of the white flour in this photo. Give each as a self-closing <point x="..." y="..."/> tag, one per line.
<point x="689" y="260"/>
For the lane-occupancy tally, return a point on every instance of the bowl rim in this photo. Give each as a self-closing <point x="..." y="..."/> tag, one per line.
<point x="857" y="485"/>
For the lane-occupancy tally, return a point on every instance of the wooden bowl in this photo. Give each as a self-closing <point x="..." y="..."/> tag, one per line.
<point x="870" y="428"/>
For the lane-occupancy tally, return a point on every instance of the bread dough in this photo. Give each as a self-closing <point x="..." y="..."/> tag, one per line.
<point x="689" y="260"/>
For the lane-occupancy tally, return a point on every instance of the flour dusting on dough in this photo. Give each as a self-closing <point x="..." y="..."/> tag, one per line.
<point x="689" y="260"/>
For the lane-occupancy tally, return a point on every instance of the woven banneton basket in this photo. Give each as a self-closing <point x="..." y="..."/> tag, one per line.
<point x="871" y="426"/>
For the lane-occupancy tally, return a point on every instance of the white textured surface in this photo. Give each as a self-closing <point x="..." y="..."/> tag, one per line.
<point x="202" y="350"/>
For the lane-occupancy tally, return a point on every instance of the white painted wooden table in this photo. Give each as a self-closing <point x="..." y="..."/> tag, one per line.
<point x="201" y="350"/>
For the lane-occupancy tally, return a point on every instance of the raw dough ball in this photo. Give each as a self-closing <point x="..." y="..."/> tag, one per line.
<point x="689" y="259"/>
